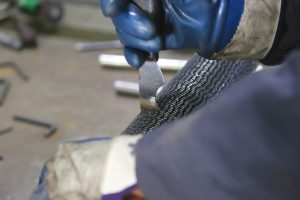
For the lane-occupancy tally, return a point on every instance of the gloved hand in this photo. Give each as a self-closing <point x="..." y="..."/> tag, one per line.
<point x="99" y="168"/>
<point x="216" y="28"/>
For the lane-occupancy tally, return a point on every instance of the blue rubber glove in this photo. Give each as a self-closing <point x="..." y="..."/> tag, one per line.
<point x="205" y="25"/>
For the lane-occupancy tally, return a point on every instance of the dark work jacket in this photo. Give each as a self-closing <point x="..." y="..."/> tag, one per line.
<point x="245" y="145"/>
<point x="287" y="37"/>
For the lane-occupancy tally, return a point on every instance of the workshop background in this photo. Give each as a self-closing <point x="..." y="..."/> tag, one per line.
<point x="49" y="92"/>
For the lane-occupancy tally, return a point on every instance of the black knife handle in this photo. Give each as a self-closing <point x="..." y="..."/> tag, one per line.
<point x="154" y="10"/>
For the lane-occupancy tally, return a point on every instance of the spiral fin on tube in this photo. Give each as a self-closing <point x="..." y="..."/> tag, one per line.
<point x="199" y="82"/>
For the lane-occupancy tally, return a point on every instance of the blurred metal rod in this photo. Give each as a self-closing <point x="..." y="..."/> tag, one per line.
<point x="6" y="130"/>
<point x="4" y="88"/>
<point x="117" y="61"/>
<point x="11" y="42"/>
<point x="97" y="46"/>
<point x="16" y="68"/>
<point x="126" y="88"/>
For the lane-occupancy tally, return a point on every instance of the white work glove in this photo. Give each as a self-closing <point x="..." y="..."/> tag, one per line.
<point x="87" y="169"/>
<point x="119" y="177"/>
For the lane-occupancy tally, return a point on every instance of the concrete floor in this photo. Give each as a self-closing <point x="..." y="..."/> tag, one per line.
<point x="86" y="17"/>
<point x="65" y="88"/>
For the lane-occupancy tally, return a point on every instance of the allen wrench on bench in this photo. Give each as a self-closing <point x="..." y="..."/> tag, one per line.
<point x="16" y="68"/>
<point x="50" y="127"/>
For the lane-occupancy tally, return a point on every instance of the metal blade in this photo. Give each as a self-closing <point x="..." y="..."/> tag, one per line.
<point x="151" y="79"/>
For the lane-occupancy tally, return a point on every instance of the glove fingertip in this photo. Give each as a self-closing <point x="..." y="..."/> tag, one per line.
<point x="134" y="58"/>
<point x="112" y="8"/>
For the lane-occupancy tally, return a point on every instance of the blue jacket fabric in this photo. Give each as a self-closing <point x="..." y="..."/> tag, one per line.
<point x="288" y="32"/>
<point x="244" y="145"/>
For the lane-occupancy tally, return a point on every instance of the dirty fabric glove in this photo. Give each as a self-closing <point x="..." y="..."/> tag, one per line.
<point x="119" y="177"/>
<point x="85" y="170"/>
<point x="230" y="29"/>
<point x="71" y="173"/>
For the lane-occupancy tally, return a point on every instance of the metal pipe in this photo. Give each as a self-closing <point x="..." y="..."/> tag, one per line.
<point x="118" y="61"/>
<point x="6" y="130"/>
<point x="11" y="42"/>
<point x="97" y="46"/>
<point x="4" y="88"/>
<point x="126" y="88"/>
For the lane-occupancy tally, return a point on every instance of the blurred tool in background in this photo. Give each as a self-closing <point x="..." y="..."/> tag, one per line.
<point x="51" y="128"/>
<point x="26" y="15"/>
<point x="4" y="83"/>
<point x="6" y="130"/>
<point x="4" y="87"/>
<point x="46" y="13"/>
<point x="10" y="41"/>
<point x="17" y="69"/>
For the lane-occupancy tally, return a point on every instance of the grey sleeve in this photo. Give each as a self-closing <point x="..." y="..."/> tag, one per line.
<point x="243" y="145"/>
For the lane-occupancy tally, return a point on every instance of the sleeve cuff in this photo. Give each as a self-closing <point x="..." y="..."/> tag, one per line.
<point x="256" y="31"/>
